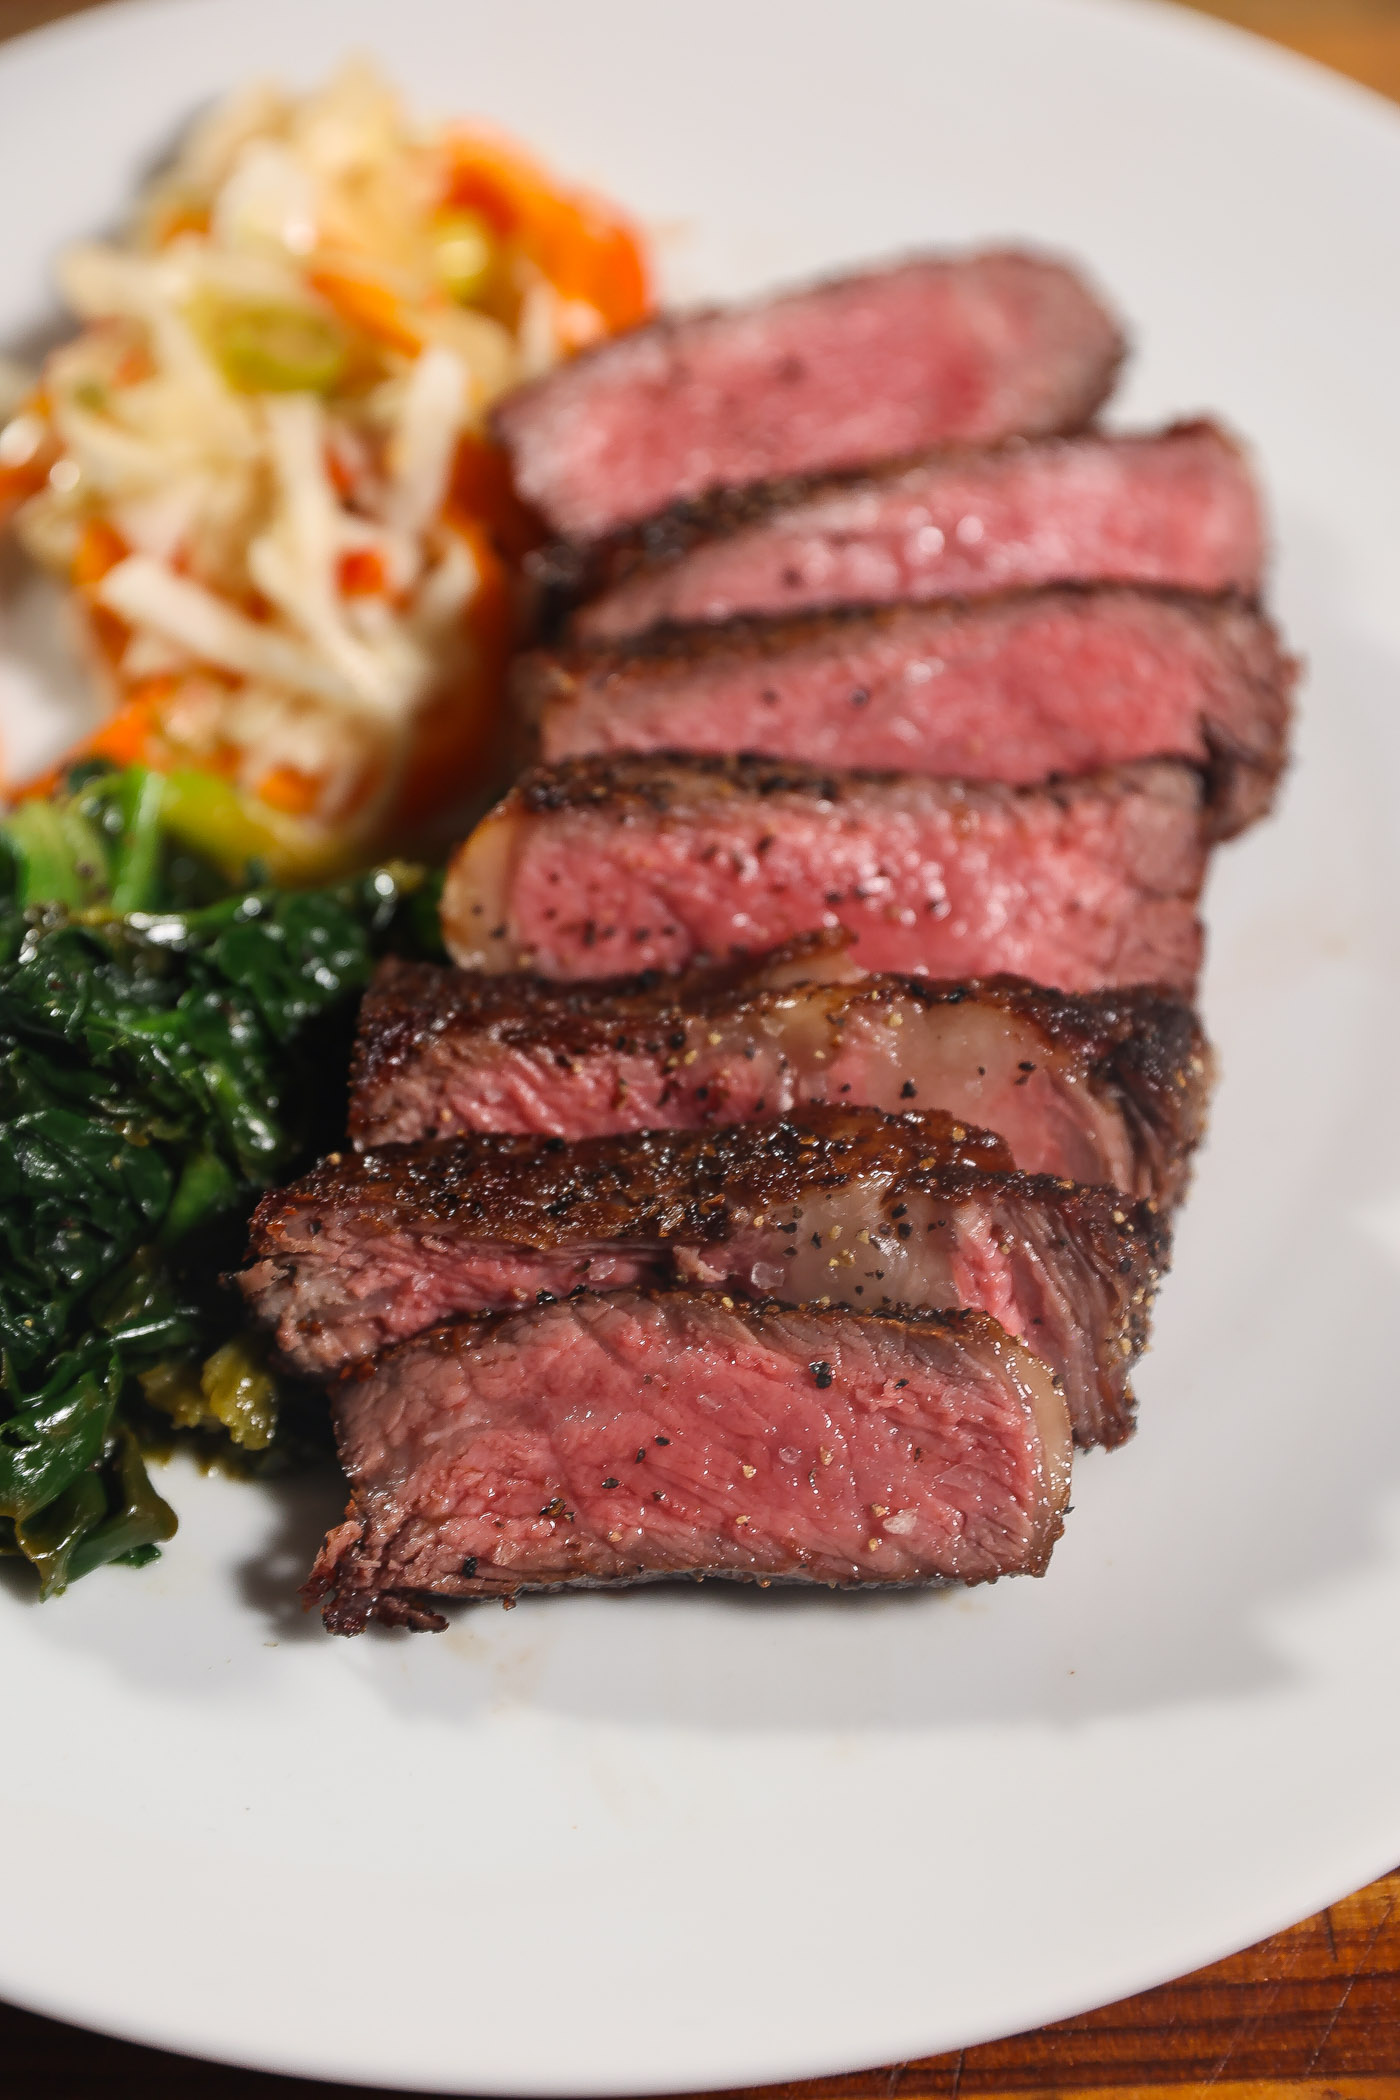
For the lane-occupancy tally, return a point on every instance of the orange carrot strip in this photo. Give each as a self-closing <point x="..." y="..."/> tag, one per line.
<point x="125" y="738"/>
<point x="586" y="247"/>
<point x="26" y="477"/>
<point x="482" y="490"/>
<point x="100" y="548"/>
<point x="183" y="218"/>
<point x="361" y="573"/>
<point x="287" y="788"/>
<point x="18" y="484"/>
<point x="368" y="304"/>
<point x="453" y="736"/>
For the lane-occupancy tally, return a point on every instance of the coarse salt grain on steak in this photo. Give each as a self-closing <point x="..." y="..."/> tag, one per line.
<point x="642" y="861"/>
<point x="612" y="1440"/>
<point x="1176" y="508"/>
<point x="862" y="368"/>
<point x="1100" y="1087"/>
<point x="1021" y="689"/>
<point x="873" y="1212"/>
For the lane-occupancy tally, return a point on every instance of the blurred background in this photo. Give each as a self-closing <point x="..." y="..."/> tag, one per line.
<point x="1360" y="37"/>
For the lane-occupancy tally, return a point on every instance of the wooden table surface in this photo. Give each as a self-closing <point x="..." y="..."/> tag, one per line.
<point x="1313" y="2014"/>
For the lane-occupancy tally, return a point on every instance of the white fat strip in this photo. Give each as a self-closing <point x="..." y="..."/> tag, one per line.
<point x="424" y="443"/>
<point x="145" y="593"/>
<point x="295" y="564"/>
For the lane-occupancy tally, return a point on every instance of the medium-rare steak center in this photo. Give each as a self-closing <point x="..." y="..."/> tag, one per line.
<point x="839" y="1205"/>
<point x="638" y="861"/>
<point x="1177" y="508"/>
<point x="615" y="1440"/>
<point x="1019" y="689"/>
<point x="862" y="368"/>
<point x="1102" y="1087"/>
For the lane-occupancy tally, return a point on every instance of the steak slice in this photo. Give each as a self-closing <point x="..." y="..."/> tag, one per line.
<point x="639" y="860"/>
<point x="1176" y="508"/>
<point x="863" y="368"/>
<point x="839" y="1205"/>
<point x="1103" y="1087"/>
<point x="1021" y="689"/>
<point x="625" y="1439"/>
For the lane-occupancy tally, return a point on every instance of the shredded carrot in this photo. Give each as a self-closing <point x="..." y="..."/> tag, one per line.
<point x="287" y="788"/>
<point x="126" y="738"/>
<point x="367" y="303"/>
<point x="18" y="484"/>
<point x="26" y="477"/>
<point x="537" y="228"/>
<point x="586" y="248"/>
<point x="489" y="614"/>
<point x="136" y="365"/>
<point x="186" y="218"/>
<point x="342" y="479"/>
<point x="361" y="573"/>
<point x="100" y="548"/>
<point x="482" y="489"/>
<point x="454" y="734"/>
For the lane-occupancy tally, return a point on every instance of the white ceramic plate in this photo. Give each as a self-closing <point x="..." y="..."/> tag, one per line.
<point x="606" y="1845"/>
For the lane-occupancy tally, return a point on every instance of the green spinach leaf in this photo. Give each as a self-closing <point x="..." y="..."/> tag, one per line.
<point x="164" y="1056"/>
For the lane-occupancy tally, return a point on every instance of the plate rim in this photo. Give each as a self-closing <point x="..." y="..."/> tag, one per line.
<point x="1211" y="35"/>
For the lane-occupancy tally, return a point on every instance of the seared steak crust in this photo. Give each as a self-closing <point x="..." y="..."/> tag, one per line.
<point x="663" y="860"/>
<point x="870" y="1211"/>
<point x="860" y="368"/>
<point x="1023" y="688"/>
<point x="1099" y="1087"/>
<point x="1177" y="507"/>
<point x="607" y="1441"/>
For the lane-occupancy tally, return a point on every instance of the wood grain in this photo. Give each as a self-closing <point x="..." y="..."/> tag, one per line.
<point x="1359" y="37"/>
<point x="1313" y="2013"/>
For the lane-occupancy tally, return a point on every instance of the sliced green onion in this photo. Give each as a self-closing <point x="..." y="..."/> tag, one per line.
<point x="265" y="348"/>
<point x="465" y="252"/>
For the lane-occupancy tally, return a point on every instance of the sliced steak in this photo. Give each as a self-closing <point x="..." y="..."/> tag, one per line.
<point x="624" y="1439"/>
<point x="863" y="368"/>
<point x="1104" y="1087"/>
<point x="643" y="861"/>
<point x="1177" y="508"/>
<point x="839" y="1205"/>
<point x="1026" y="688"/>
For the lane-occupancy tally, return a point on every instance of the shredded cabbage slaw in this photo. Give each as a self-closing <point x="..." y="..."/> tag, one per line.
<point x="262" y="465"/>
